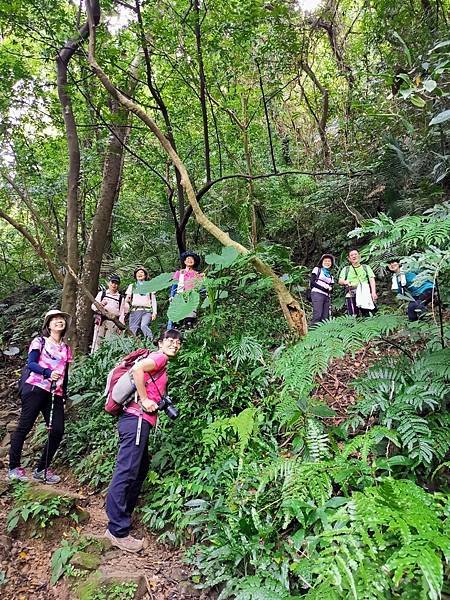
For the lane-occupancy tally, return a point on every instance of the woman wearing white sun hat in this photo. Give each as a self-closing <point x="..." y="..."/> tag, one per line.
<point x="42" y="390"/>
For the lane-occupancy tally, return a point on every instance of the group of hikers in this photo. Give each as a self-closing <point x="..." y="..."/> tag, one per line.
<point x="361" y="296"/>
<point x="43" y="386"/>
<point x="139" y="306"/>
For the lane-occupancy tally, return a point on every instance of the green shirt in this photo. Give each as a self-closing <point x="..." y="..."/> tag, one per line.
<point x="357" y="274"/>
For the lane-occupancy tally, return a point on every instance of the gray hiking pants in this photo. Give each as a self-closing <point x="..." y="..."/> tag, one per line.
<point x="321" y="307"/>
<point x="141" y="319"/>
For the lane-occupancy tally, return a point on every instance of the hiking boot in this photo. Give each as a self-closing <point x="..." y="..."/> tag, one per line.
<point x="128" y="543"/>
<point x="51" y="477"/>
<point x="17" y="473"/>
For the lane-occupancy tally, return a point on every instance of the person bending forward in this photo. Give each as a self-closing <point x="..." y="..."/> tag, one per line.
<point x="132" y="461"/>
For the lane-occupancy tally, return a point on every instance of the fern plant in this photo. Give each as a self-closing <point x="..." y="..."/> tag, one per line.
<point x="389" y="538"/>
<point x="409" y="398"/>
<point x="302" y="363"/>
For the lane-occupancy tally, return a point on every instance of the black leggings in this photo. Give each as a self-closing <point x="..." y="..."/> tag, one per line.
<point x="35" y="400"/>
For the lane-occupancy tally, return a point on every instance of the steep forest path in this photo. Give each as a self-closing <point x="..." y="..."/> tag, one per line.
<point x="25" y="559"/>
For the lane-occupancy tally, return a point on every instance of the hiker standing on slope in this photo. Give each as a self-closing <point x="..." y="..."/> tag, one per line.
<point x="187" y="279"/>
<point x="114" y="304"/>
<point x="321" y="285"/>
<point x="132" y="463"/>
<point x="403" y="282"/>
<point x="359" y="282"/>
<point x="143" y="306"/>
<point x="44" y="385"/>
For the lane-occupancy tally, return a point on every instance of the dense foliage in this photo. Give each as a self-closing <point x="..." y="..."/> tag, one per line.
<point x="304" y="127"/>
<point x="276" y="500"/>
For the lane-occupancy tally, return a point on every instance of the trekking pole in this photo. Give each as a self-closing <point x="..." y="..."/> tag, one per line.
<point x="94" y="341"/>
<point x="49" y="427"/>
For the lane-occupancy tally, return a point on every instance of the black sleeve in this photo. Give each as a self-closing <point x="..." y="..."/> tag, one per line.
<point x="312" y="279"/>
<point x="33" y="364"/>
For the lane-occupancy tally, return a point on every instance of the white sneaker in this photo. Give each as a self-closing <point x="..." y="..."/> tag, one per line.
<point x="128" y="543"/>
<point x="17" y="473"/>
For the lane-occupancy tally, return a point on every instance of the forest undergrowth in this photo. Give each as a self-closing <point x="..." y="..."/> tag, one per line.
<point x="269" y="492"/>
<point x="312" y="468"/>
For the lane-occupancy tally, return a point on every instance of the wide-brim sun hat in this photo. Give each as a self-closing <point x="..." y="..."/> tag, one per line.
<point x="56" y="313"/>
<point x="194" y="255"/>
<point x="140" y="268"/>
<point x="330" y="256"/>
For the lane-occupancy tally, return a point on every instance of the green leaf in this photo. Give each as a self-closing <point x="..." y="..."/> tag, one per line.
<point x="405" y="47"/>
<point x="183" y="305"/>
<point x="440" y="45"/>
<point x="440" y="118"/>
<point x="162" y="281"/>
<point x="322" y="410"/>
<point x="418" y="101"/>
<point x="223" y="260"/>
<point x="429" y="85"/>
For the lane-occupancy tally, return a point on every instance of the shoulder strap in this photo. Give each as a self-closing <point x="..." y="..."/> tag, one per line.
<point x="102" y="297"/>
<point x="346" y="271"/>
<point x="121" y="298"/>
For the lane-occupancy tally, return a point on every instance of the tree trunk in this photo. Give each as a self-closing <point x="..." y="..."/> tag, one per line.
<point x="67" y="51"/>
<point x="109" y="192"/>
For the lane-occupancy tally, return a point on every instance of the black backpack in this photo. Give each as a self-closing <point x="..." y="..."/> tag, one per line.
<point x="101" y="318"/>
<point x="26" y="369"/>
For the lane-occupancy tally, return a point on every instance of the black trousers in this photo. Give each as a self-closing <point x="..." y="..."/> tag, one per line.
<point x="417" y="307"/>
<point x="35" y="400"/>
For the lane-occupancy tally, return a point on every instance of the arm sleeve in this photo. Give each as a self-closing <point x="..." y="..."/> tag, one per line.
<point x="370" y="273"/>
<point x="313" y="277"/>
<point x="154" y="303"/>
<point x="342" y="274"/>
<point x="33" y="364"/>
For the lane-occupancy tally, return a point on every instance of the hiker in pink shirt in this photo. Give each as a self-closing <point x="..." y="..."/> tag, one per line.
<point x="188" y="278"/>
<point x="135" y="424"/>
<point x="43" y="387"/>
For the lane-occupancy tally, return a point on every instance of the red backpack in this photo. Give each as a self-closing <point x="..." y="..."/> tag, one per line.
<point x="120" y="386"/>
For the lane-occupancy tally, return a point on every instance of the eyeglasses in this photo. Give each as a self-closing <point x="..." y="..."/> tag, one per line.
<point x="172" y="342"/>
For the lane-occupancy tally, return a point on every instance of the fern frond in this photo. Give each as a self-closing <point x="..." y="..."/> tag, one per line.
<point x="302" y="363"/>
<point x="365" y="443"/>
<point x="415" y="435"/>
<point x="245" y="349"/>
<point x="317" y="441"/>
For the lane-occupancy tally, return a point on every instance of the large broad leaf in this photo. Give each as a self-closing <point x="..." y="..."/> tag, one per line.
<point x="182" y="306"/>
<point x="440" y="118"/>
<point x="157" y="284"/>
<point x="225" y="259"/>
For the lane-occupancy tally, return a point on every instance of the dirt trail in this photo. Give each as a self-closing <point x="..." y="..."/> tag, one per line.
<point x="25" y="561"/>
